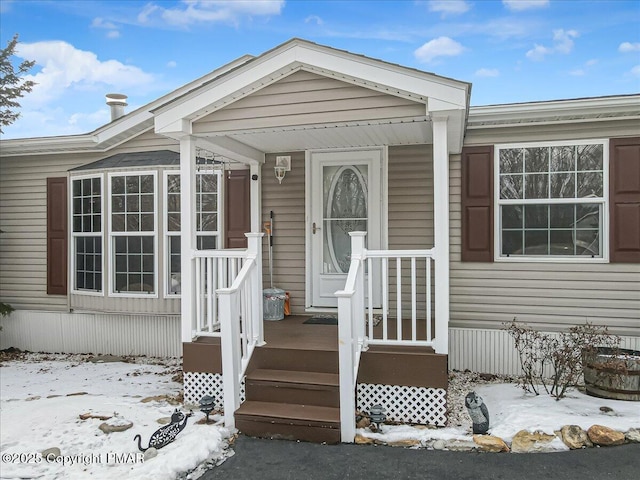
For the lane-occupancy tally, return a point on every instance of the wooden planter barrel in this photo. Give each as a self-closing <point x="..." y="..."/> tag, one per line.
<point x="613" y="373"/>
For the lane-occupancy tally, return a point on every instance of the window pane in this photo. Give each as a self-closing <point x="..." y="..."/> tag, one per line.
<point x="77" y="223"/>
<point x="206" y="242"/>
<point x="536" y="216"/>
<point x="563" y="159"/>
<point x="147" y="244"/>
<point x="536" y="242"/>
<point x="173" y="183"/>
<point x="117" y="203"/>
<point x="77" y="206"/>
<point x="117" y="223"/>
<point x="95" y="186"/>
<point x="511" y="186"/>
<point x="133" y="222"/>
<point x="135" y="263"/>
<point x="173" y="222"/>
<point x="536" y="186"/>
<point x="146" y="203"/>
<point x="88" y="259"/>
<point x="117" y="185"/>
<point x="590" y="184"/>
<point x="536" y="159"/>
<point x="563" y="185"/>
<point x="512" y="216"/>
<point x="512" y="242"/>
<point x="133" y="184"/>
<point x="209" y="202"/>
<point x="86" y="187"/>
<point x="562" y="216"/>
<point x="511" y="160"/>
<point x="208" y="183"/>
<point x="134" y="244"/>
<point x="146" y="184"/>
<point x="133" y="203"/>
<point x="121" y="282"/>
<point x="561" y="242"/>
<point x="587" y="242"/>
<point x="589" y="157"/>
<point x="77" y="188"/>
<point x="209" y="222"/>
<point x="587" y="216"/>
<point x="147" y="222"/>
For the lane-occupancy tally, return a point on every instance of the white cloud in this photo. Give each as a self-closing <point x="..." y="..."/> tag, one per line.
<point x="112" y="28"/>
<point x="591" y="63"/>
<point x="449" y="7"/>
<point x="635" y="71"/>
<point x="626" y="47"/>
<point x="438" y="47"/>
<point x="577" y="73"/>
<point x="519" y="5"/>
<point x="314" y="19"/>
<point x="209" y="11"/>
<point x="64" y="67"/>
<point x="172" y="64"/>
<point x="487" y="72"/>
<point x="563" y="43"/>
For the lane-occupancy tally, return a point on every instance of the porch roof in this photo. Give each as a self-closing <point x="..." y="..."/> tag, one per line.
<point x="430" y="95"/>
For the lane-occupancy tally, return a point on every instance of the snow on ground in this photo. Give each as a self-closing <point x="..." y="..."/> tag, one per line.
<point x="512" y="410"/>
<point x="37" y="413"/>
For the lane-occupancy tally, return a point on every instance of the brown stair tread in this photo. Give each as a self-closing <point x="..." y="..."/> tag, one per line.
<point x="291" y="376"/>
<point x="289" y="412"/>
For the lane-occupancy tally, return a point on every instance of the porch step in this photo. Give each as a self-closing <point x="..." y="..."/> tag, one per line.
<point x="293" y="359"/>
<point x="288" y="386"/>
<point x="289" y="421"/>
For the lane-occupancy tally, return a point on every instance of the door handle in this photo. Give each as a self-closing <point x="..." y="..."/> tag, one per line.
<point x="314" y="228"/>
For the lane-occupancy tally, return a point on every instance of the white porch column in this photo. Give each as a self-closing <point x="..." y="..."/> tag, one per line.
<point x="255" y="170"/>
<point x="441" y="231"/>
<point x="187" y="234"/>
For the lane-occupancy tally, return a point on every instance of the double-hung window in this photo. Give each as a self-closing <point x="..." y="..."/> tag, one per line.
<point x="86" y="231"/>
<point x="207" y="220"/>
<point x="132" y="230"/>
<point x="551" y="200"/>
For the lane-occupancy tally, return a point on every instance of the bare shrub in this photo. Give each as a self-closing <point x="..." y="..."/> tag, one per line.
<point x="561" y="355"/>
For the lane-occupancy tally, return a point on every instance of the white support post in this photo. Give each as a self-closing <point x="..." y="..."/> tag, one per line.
<point x="358" y="253"/>
<point x="441" y="231"/>
<point x="347" y="380"/>
<point x="256" y="197"/>
<point x="187" y="235"/>
<point x="230" y="353"/>
<point x="254" y="250"/>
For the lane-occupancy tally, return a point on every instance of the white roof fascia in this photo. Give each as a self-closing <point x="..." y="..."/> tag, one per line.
<point x="552" y="112"/>
<point x="298" y="54"/>
<point x="98" y="140"/>
<point x="235" y="150"/>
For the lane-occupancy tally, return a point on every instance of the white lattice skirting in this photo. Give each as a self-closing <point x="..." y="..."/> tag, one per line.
<point x="420" y="405"/>
<point x="197" y="385"/>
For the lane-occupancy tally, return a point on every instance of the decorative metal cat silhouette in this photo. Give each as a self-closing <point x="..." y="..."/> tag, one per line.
<point x="167" y="434"/>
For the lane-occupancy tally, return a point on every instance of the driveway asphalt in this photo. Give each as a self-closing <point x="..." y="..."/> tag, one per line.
<point x="284" y="460"/>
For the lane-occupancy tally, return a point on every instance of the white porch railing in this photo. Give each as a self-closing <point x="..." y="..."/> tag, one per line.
<point x="227" y="285"/>
<point x="369" y="290"/>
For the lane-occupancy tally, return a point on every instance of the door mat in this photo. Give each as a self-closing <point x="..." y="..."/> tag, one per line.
<point x="322" y="321"/>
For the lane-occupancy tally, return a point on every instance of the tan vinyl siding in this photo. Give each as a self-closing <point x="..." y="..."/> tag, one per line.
<point x="23" y="253"/>
<point x="547" y="295"/>
<point x="23" y="220"/>
<point x="410" y="186"/>
<point x="288" y="204"/>
<point x="305" y="98"/>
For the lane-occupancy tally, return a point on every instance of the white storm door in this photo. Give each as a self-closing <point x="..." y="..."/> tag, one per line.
<point x="345" y="197"/>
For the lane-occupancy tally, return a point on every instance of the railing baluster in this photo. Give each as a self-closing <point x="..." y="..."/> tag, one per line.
<point x="414" y="312"/>
<point x="215" y="285"/>
<point x="398" y="298"/>
<point x="385" y="299"/>
<point x="211" y="294"/>
<point x="429" y="337"/>
<point x="198" y="293"/>
<point x="370" y="280"/>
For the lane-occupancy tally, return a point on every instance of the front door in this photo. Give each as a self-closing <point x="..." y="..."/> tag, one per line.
<point x="345" y="197"/>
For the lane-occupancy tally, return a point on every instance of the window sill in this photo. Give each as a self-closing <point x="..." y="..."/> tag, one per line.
<point x="550" y="260"/>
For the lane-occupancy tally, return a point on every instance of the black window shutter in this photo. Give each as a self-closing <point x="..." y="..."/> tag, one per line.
<point x="477" y="204"/>
<point x="57" y="236"/>
<point x="624" y="196"/>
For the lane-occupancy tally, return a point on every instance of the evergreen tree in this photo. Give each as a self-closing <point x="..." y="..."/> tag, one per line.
<point x="12" y="84"/>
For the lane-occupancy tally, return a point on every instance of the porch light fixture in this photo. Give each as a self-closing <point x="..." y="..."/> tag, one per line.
<point x="283" y="165"/>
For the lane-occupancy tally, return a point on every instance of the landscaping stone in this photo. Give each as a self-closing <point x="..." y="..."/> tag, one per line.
<point x="408" y="442"/>
<point x="51" y="453"/>
<point x="164" y="420"/>
<point x="460" y="445"/>
<point x="115" y="425"/>
<point x="489" y="443"/>
<point x="362" y="440"/>
<point x="439" y="445"/>
<point x="575" y="437"/>
<point x="88" y="415"/>
<point x="605" y="436"/>
<point x="633" y="435"/>
<point x="528" y="442"/>
<point x="150" y="453"/>
<point x="363" y="422"/>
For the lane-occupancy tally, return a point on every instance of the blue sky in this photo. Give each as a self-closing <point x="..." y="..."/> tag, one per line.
<point x="511" y="50"/>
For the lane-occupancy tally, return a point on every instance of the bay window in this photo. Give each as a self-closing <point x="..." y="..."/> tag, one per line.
<point x="86" y="232"/>
<point x="132" y="232"/>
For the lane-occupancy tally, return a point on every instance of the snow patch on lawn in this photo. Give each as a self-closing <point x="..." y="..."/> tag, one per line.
<point x="37" y="413"/>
